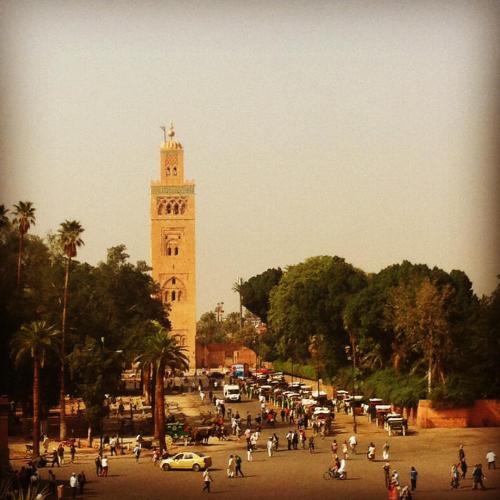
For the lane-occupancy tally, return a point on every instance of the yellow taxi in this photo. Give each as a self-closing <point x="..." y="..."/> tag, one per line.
<point x="192" y="460"/>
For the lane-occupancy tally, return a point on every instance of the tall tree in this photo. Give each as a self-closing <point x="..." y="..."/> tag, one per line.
<point x="256" y="291"/>
<point x="209" y="330"/>
<point x="34" y="341"/>
<point x="421" y="315"/>
<point x="237" y="287"/>
<point x="70" y="238"/>
<point x="24" y="217"/>
<point x="4" y="220"/>
<point x="162" y="351"/>
<point x="310" y="300"/>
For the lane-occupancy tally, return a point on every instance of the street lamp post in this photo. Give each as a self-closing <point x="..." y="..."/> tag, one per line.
<point x="351" y="352"/>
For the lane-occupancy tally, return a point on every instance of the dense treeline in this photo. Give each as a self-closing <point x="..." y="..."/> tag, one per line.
<point x="415" y="330"/>
<point x="69" y="326"/>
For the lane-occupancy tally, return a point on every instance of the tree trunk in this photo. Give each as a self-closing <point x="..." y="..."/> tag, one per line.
<point x="19" y="259"/>
<point x="146" y="384"/>
<point x="36" y="407"/>
<point x="62" y="395"/>
<point x="152" y="390"/>
<point x="160" y="406"/>
<point x="429" y="378"/>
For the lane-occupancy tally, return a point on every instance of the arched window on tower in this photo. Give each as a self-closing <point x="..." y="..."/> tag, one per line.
<point x="176" y="209"/>
<point x="173" y="295"/>
<point x="168" y="170"/>
<point x="179" y="295"/>
<point x="169" y="208"/>
<point x="175" y="170"/>
<point x="169" y="251"/>
<point x="176" y="251"/>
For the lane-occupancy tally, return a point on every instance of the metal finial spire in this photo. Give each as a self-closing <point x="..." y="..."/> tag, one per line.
<point x="171" y="131"/>
<point x="164" y="133"/>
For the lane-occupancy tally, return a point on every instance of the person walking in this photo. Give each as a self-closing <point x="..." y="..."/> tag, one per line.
<point x="55" y="458"/>
<point x="98" y="465"/>
<point x="491" y="458"/>
<point x="455" y="477"/>
<point x="249" y="452"/>
<point x="269" y="446"/>
<point x="463" y="467"/>
<point x="207" y="479"/>
<point x="311" y="444"/>
<point x="72" y="452"/>
<point x="73" y="484"/>
<point x="461" y="453"/>
<point x="413" y="478"/>
<point x="112" y="445"/>
<point x="52" y="483"/>
<point x="477" y="477"/>
<point x="82" y="479"/>
<point x="385" y="451"/>
<point x="334" y="448"/>
<point x="387" y="474"/>
<point x="353" y="442"/>
<point x="237" y="463"/>
<point x="371" y="452"/>
<point x="289" y="437"/>
<point x="60" y="454"/>
<point x="406" y="493"/>
<point x="104" y="463"/>
<point x="230" y="467"/>
<point x="295" y="440"/>
<point x="137" y="452"/>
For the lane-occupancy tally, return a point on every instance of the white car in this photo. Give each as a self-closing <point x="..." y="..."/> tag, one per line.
<point x="187" y="460"/>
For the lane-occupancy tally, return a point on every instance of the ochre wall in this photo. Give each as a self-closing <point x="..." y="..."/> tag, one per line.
<point x="484" y="413"/>
<point x="217" y="355"/>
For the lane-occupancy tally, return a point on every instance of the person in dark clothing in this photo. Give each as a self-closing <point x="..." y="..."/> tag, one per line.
<point x="82" y="479"/>
<point x="55" y="458"/>
<point x="98" y="465"/>
<point x="387" y="474"/>
<point x="463" y="467"/>
<point x="413" y="478"/>
<point x="477" y="477"/>
<point x="237" y="461"/>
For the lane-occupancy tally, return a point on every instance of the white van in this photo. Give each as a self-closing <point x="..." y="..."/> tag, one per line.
<point x="232" y="393"/>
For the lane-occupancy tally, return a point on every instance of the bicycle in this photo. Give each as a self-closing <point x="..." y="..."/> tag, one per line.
<point x="333" y="474"/>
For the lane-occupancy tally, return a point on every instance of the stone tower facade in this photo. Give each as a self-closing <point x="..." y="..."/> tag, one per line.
<point x="173" y="242"/>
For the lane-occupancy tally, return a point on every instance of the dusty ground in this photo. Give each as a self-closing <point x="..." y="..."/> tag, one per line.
<point x="298" y="474"/>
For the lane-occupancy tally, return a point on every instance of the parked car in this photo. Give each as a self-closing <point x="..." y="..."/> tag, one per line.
<point x="192" y="460"/>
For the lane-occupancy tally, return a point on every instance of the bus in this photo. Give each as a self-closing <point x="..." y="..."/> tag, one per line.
<point x="240" y="370"/>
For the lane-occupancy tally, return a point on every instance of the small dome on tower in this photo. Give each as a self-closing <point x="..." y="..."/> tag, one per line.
<point x="171" y="143"/>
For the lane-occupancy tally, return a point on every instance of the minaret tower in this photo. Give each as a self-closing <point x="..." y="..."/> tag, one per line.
<point x="173" y="242"/>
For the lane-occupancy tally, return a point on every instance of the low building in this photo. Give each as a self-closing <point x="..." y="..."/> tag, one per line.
<point x="220" y="355"/>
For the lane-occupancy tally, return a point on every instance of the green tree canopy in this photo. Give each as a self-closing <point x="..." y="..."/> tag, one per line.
<point x="256" y="291"/>
<point x="310" y="300"/>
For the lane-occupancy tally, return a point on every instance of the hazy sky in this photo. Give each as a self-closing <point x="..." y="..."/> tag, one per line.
<point x="361" y="129"/>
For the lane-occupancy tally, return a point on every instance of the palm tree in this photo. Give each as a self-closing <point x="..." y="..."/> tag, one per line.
<point x="161" y="351"/>
<point x="238" y="288"/>
<point x="4" y="220"/>
<point x="24" y="217"/>
<point x="34" y="340"/>
<point x="70" y="239"/>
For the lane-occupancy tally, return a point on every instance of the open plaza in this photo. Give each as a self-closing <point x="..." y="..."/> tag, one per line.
<point x="287" y="473"/>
